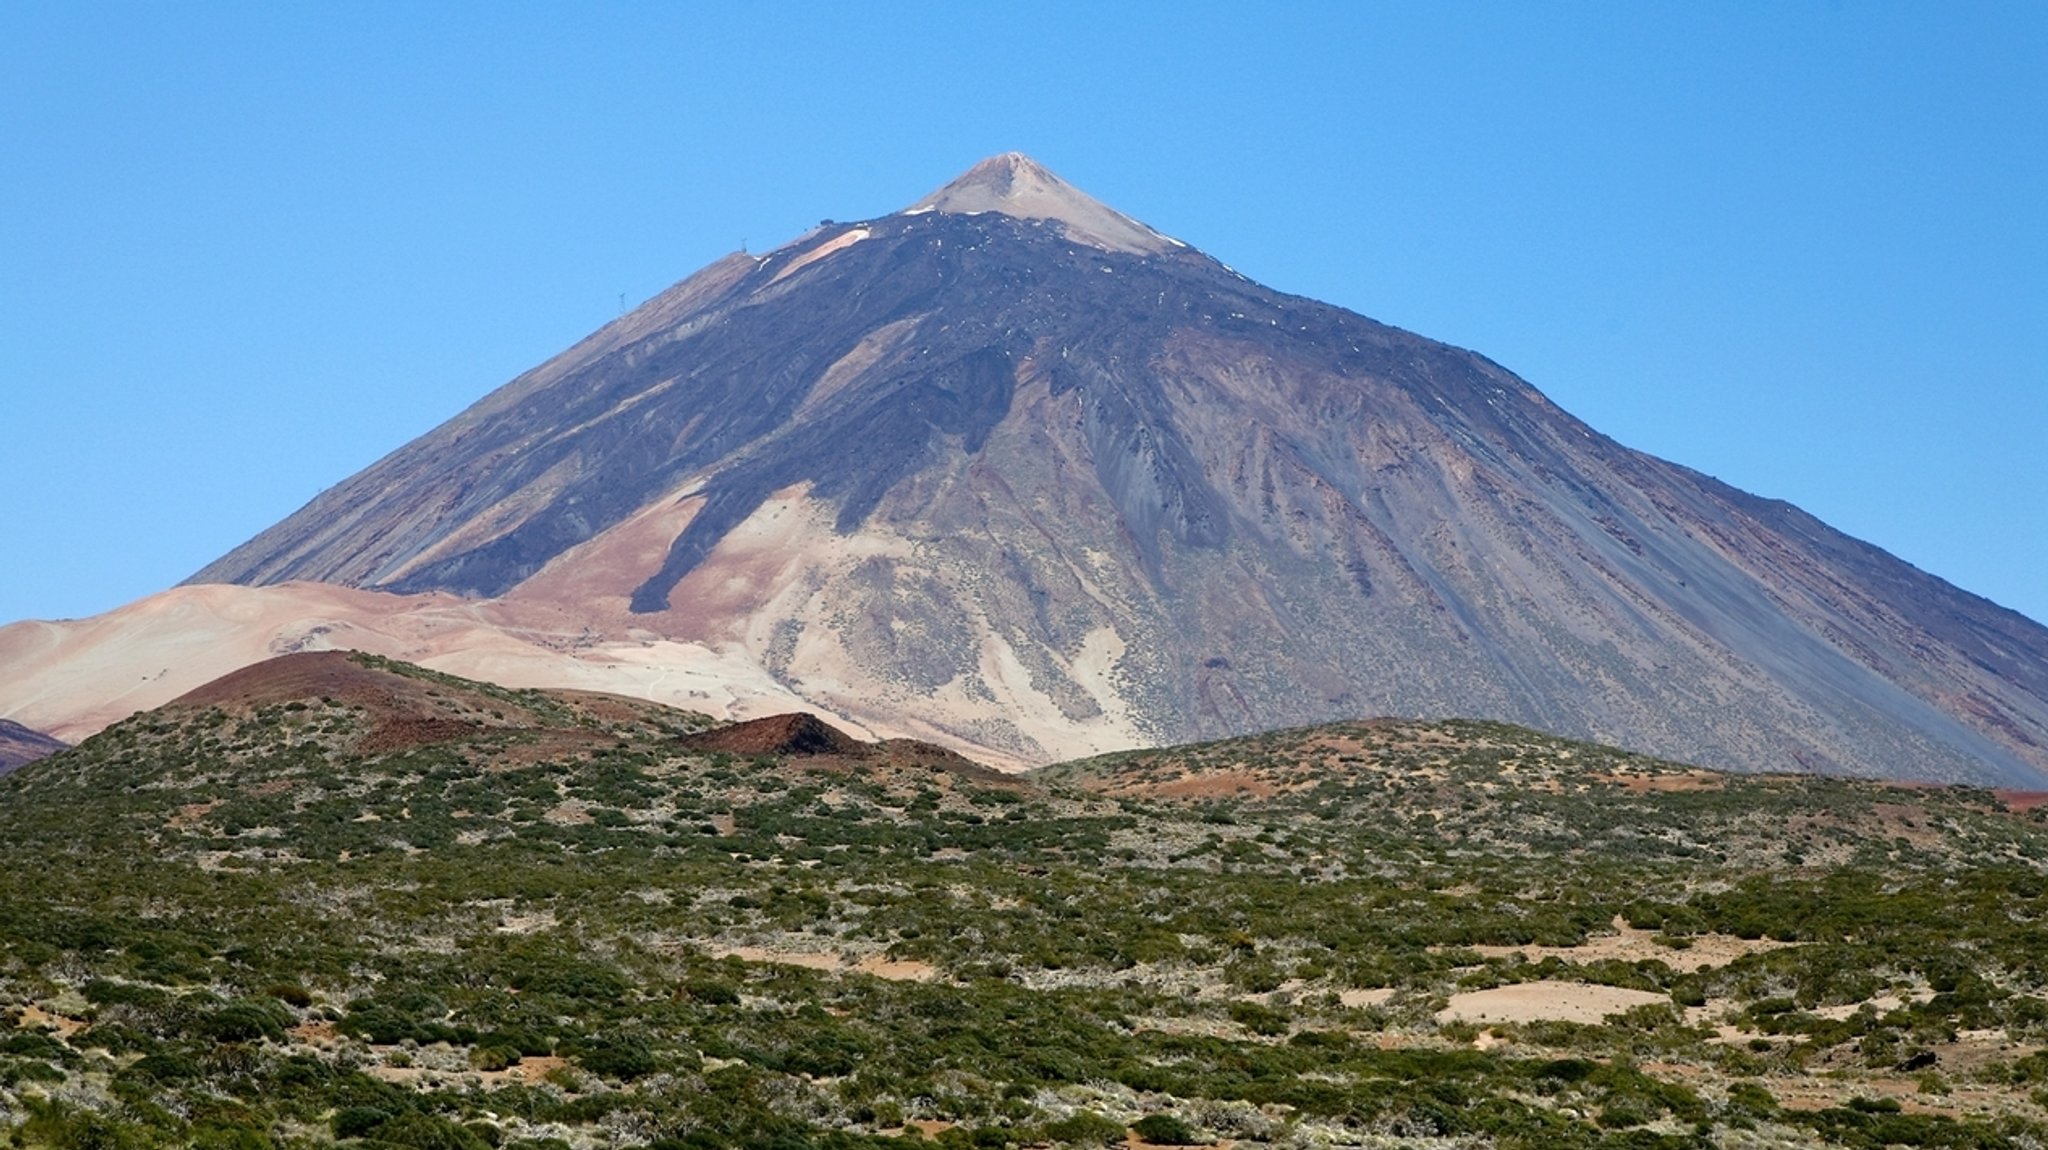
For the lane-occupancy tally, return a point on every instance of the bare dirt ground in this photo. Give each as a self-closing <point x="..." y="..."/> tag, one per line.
<point x="2020" y="802"/>
<point x="36" y="1018"/>
<point x="1546" y="1001"/>
<point x="1209" y="785"/>
<point x="317" y="1034"/>
<point x="1680" y="782"/>
<point x="896" y="970"/>
<point x="1631" y="945"/>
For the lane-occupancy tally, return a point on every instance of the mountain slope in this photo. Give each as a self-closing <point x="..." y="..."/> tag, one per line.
<point x="20" y="745"/>
<point x="1013" y="470"/>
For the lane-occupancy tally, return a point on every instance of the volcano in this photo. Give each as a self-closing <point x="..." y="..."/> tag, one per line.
<point x="1012" y="471"/>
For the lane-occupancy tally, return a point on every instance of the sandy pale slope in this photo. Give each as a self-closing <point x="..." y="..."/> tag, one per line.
<point x="760" y="628"/>
<point x="72" y="678"/>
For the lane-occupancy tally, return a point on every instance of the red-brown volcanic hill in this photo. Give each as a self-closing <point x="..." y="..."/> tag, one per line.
<point x="403" y="706"/>
<point x="402" y="710"/>
<point x="792" y="734"/>
<point x="342" y="676"/>
<point x="1011" y="469"/>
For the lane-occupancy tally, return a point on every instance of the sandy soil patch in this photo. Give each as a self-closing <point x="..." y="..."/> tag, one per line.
<point x="526" y="923"/>
<point x="1546" y="1001"/>
<point x="568" y="813"/>
<point x="1974" y="1049"/>
<point x="1677" y="783"/>
<point x="1901" y="820"/>
<point x="1366" y="741"/>
<point x="1883" y="1004"/>
<point x="1197" y="1026"/>
<point x="1715" y="1016"/>
<point x="896" y="970"/>
<point x="320" y="1033"/>
<point x="1208" y="785"/>
<point x="188" y="816"/>
<point x="526" y="1070"/>
<point x="1824" y="1093"/>
<point x="36" y="1018"/>
<point x="1356" y="998"/>
<point x="1628" y="944"/>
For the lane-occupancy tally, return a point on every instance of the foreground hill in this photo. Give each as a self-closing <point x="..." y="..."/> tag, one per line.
<point x="1509" y="790"/>
<point x="1012" y="471"/>
<point x="345" y="901"/>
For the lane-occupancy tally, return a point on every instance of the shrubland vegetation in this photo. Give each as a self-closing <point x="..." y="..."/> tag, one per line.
<point x="276" y="925"/>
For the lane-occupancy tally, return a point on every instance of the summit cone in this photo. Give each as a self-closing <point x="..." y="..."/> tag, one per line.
<point x="1016" y="185"/>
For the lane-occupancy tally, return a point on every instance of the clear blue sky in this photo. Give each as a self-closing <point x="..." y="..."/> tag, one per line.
<point x="245" y="250"/>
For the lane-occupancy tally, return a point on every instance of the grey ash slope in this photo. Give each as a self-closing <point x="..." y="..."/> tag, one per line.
<point x="1284" y="511"/>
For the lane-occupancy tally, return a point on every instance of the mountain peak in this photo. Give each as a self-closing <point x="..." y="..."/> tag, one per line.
<point x="1014" y="184"/>
<point x="939" y="475"/>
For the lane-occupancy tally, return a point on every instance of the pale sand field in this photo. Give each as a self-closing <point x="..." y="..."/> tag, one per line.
<point x="72" y="678"/>
<point x="1628" y="944"/>
<point x="1546" y="1002"/>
